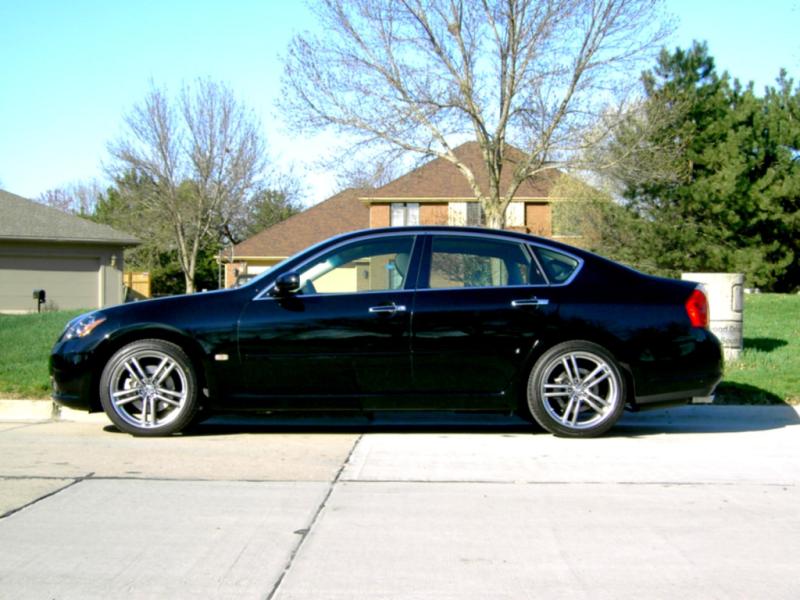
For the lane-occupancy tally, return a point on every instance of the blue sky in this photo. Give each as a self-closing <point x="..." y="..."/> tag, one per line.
<point x="69" y="70"/>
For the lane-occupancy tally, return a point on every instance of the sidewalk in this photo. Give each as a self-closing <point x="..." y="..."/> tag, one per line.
<point x="43" y="410"/>
<point x="692" y="502"/>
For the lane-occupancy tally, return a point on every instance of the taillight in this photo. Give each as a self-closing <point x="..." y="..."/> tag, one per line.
<point x="697" y="309"/>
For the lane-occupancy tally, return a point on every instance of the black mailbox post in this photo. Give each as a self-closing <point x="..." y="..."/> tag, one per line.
<point x="40" y="296"/>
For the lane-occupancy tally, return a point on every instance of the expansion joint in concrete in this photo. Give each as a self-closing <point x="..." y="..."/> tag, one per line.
<point x="75" y="481"/>
<point x="304" y="533"/>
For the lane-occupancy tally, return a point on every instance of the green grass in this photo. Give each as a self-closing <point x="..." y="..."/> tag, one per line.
<point x="25" y="343"/>
<point x="768" y="372"/>
<point x="769" y="369"/>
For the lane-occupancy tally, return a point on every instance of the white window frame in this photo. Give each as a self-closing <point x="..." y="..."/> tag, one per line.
<point x="456" y="213"/>
<point x="408" y="213"/>
<point x="515" y="214"/>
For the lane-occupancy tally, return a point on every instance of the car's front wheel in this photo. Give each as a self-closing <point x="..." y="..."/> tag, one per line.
<point x="149" y="388"/>
<point x="576" y="390"/>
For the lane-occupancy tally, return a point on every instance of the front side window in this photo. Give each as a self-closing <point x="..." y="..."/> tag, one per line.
<point x="462" y="262"/>
<point x="404" y="213"/>
<point x="366" y="266"/>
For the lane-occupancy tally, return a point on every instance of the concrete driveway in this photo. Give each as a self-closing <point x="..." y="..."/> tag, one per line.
<point x="697" y="502"/>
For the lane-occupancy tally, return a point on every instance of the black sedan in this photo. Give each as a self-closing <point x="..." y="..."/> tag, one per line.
<point x="416" y="318"/>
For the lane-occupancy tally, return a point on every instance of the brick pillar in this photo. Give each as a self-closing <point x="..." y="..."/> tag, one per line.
<point x="539" y="219"/>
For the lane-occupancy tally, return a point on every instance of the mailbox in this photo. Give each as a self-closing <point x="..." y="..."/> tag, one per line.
<point x="41" y="297"/>
<point x="726" y="308"/>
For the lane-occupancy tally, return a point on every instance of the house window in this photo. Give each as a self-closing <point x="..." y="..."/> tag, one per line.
<point x="404" y="213"/>
<point x="465" y="213"/>
<point x="474" y="214"/>
<point x="515" y="214"/>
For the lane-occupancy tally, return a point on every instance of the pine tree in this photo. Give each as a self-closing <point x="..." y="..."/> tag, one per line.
<point x="735" y="205"/>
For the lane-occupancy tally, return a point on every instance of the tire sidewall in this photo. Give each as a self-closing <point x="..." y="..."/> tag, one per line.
<point x="536" y="402"/>
<point x="175" y="352"/>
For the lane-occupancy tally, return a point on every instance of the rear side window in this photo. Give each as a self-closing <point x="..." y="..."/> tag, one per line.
<point x="558" y="267"/>
<point x="462" y="262"/>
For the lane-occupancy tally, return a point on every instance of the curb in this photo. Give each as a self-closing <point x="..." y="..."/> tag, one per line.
<point x="44" y="410"/>
<point x="47" y="410"/>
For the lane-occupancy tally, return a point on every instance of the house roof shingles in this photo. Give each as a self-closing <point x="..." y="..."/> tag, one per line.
<point x="441" y="179"/>
<point x="348" y="210"/>
<point x="25" y="220"/>
<point x="338" y="214"/>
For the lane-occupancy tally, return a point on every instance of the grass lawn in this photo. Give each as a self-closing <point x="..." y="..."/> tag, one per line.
<point x="769" y="369"/>
<point x="768" y="373"/>
<point x="25" y="342"/>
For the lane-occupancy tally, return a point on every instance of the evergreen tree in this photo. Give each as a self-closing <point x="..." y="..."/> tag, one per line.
<point x="734" y="206"/>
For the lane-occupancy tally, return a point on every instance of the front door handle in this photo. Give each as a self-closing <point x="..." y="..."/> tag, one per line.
<point x="388" y="308"/>
<point x="530" y="302"/>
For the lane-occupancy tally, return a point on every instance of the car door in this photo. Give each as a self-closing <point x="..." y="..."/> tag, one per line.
<point x="343" y="335"/>
<point x="482" y="303"/>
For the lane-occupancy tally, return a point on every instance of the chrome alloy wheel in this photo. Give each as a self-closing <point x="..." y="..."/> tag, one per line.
<point x="580" y="390"/>
<point x="148" y="389"/>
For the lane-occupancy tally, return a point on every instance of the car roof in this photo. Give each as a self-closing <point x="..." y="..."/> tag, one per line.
<point x="450" y="229"/>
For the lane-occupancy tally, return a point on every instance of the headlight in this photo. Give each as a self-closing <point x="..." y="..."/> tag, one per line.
<point x="82" y="326"/>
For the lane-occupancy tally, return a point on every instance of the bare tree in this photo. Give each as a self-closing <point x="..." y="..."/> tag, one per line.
<point x="202" y="156"/>
<point x="417" y="75"/>
<point x="366" y="174"/>
<point x="78" y="197"/>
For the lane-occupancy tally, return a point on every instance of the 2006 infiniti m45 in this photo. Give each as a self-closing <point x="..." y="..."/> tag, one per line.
<point x="416" y="318"/>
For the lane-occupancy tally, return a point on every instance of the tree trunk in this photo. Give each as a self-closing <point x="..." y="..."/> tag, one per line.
<point x="494" y="214"/>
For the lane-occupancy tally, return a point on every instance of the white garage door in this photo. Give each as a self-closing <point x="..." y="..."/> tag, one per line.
<point x="70" y="282"/>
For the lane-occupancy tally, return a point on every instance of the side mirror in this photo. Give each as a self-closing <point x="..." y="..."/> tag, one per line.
<point x="287" y="283"/>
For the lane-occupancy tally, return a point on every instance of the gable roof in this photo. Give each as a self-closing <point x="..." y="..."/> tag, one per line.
<point x="25" y="220"/>
<point x="440" y="178"/>
<point x="338" y="214"/>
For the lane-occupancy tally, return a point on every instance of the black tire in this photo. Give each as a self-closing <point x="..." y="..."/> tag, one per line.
<point x="576" y="389"/>
<point x="149" y="388"/>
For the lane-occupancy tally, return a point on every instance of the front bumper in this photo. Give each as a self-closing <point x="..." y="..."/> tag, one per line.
<point x="72" y="377"/>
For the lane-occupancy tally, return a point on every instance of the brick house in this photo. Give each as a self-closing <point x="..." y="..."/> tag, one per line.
<point x="338" y="214"/>
<point x="438" y="194"/>
<point x="434" y="194"/>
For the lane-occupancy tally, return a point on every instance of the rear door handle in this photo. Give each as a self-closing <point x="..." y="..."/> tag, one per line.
<point x="530" y="302"/>
<point x="388" y="308"/>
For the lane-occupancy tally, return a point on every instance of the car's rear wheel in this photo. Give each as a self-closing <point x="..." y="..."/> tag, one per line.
<point x="576" y="390"/>
<point x="149" y="388"/>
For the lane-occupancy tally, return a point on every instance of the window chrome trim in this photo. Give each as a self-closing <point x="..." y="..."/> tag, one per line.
<point x="336" y="294"/>
<point x="538" y="286"/>
<point x="502" y="238"/>
<point x="417" y="236"/>
<point x="414" y="235"/>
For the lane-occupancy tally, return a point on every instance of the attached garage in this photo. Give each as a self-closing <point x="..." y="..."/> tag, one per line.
<point x="78" y="263"/>
<point x="74" y="281"/>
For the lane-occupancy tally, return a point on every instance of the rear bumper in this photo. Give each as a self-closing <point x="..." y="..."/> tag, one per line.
<point x="693" y="387"/>
<point x="694" y="372"/>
